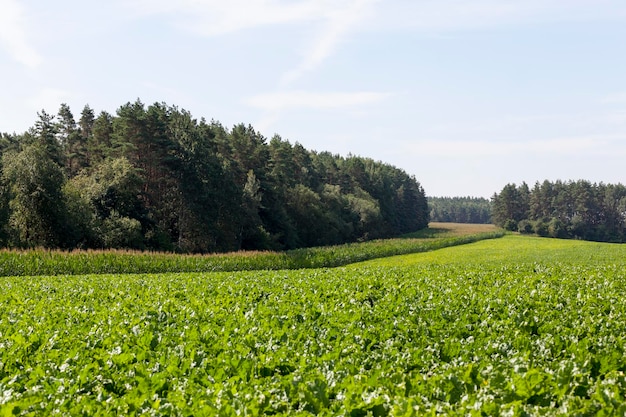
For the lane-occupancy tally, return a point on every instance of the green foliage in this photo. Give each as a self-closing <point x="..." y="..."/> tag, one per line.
<point x="73" y="143"/>
<point x="556" y="228"/>
<point x="541" y="228"/>
<point x="198" y="187"/>
<point x="40" y="262"/>
<point x="106" y="207"/>
<point x="525" y="227"/>
<point x="121" y="232"/>
<point x="37" y="208"/>
<point x="366" y="209"/>
<point x="100" y="138"/>
<point x="455" y="332"/>
<point x="511" y="206"/>
<point x="510" y="225"/>
<point x="460" y="209"/>
<point x="4" y="209"/>
<point x="81" y="215"/>
<point x="575" y="209"/>
<point x="44" y="135"/>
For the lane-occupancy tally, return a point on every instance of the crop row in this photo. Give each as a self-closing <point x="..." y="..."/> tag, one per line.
<point x="47" y="262"/>
<point x="535" y="338"/>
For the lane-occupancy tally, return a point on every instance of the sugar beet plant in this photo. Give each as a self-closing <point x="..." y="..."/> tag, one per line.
<point x="526" y="338"/>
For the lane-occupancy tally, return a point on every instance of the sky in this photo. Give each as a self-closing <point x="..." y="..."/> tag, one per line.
<point x="466" y="95"/>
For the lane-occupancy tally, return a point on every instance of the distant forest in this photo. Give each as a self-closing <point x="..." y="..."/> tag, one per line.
<point x="574" y="209"/>
<point x="460" y="209"/>
<point x="156" y="178"/>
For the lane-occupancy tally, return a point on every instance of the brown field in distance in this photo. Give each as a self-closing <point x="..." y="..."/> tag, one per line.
<point x="459" y="229"/>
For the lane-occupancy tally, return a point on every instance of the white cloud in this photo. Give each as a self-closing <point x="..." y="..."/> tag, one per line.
<point x="339" y="18"/>
<point x="13" y="36"/>
<point x="340" y="22"/>
<point x="312" y="100"/>
<point x="210" y="18"/>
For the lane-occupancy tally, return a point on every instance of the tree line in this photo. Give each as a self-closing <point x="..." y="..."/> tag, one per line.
<point x="460" y="209"/>
<point x="573" y="209"/>
<point x="156" y="178"/>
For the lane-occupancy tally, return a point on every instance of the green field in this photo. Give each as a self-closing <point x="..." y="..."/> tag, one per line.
<point x="509" y="326"/>
<point x="55" y="262"/>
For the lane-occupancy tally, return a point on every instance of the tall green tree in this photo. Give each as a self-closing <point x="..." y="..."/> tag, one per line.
<point x="106" y="208"/>
<point x="573" y="209"/>
<point x="100" y="143"/>
<point x="72" y="141"/>
<point x="154" y="177"/>
<point x="4" y="207"/>
<point x="460" y="209"/>
<point x="44" y="135"/>
<point x="86" y="122"/>
<point x="38" y="213"/>
<point x="511" y="206"/>
<point x="209" y="210"/>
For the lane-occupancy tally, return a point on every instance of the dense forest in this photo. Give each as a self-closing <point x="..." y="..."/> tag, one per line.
<point x="156" y="178"/>
<point x="574" y="209"/>
<point x="460" y="209"/>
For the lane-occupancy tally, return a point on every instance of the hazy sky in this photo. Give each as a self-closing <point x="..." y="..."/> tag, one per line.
<point x="467" y="95"/>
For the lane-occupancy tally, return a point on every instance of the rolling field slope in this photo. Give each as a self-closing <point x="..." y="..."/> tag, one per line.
<point x="513" y="250"/>
<point x="510" y="326"/>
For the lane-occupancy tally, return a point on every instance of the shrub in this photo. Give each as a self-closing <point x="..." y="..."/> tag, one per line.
<point x="510" y="225"/>
<point x="541" y="228"/>
<point x="556" y="228"/>
<point x="121" y="232"/>
<point x="525" y="227"/>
